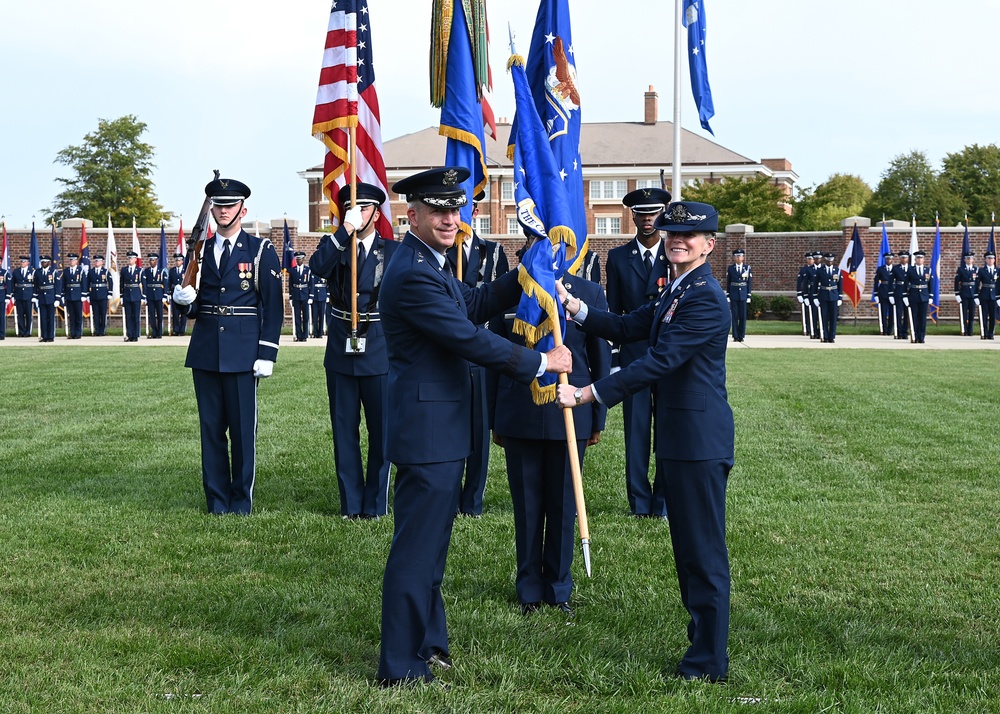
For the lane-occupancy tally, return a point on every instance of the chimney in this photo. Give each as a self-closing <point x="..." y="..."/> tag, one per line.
<point x="652" y="109"/>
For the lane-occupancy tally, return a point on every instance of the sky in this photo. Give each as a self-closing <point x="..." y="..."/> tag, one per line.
<point x="834" y="87"/>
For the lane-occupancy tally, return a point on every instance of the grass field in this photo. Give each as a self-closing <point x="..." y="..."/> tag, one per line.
<point x="862" y="529"/>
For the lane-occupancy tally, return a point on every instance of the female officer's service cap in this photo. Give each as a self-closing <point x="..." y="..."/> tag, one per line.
<point x="688" y="217"/>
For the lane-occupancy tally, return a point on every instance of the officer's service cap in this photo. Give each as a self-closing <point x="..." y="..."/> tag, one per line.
<point x="888" y="254"/>
<point x="990" y="254"/>
<point x="24" y="259"/>
<point x="98" y="257"/>
<point x="178" y="255"/>
<point x="809" y="255"/>
<point x="739" y="251"/>
<point x="647" y="200"/>
<point x="479" y="197"/>
<point x="688" y="217"/>
<point x="904" y="254"/>
<point x="436" y="187"/>
<point x="72" y="256"/>
<point x="367" y="195"/>
<point x="919" y="254"/>
<point x="817" y="254"/>
<point x="131" y="254"/>
<point x="300" y="254"/>
<point x="46" y="259"/>
<point x="968" y="254"/>
<point x="153" y="256"/>
<point x="227" y="192"/>
<point x="828" y="256"/>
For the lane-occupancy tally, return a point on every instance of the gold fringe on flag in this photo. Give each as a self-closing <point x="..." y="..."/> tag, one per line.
<point x="442" y="16"/>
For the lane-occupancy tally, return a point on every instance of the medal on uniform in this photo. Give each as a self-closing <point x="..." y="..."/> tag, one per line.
<point x="244" y="269"/>
<point x="660" y="284"/>
<point x="245" y="284"/>
<point x="670" y="311"/>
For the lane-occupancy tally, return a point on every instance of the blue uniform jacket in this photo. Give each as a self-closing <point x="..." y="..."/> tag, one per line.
<point x="332" y="261"/>
<point x="431" y="335"/>
<point x="131" y="284"/>
<point x="739" y="282"/>
<point x="232" y="343"/>
<point x="899" y="282"/>
<point x="47" y="288"/>
<point x="487" y="261"/>
<point x="99" y="283"/>
<point x="803" y="283"/>
<point x="986" y="284"/>
<point x="883" y="282"/>
<point x="24" y="285"/>
<point x="828" y="285"/>
<point x="629" y="288"/>
<point x="918" y="286"/>
<point x="73" y="284"/>
<point x="174" y="278"/>
<point x="965" y="281"/>
<point x="4" y="285"/>
<point x="686" y="362"/>
<point x="298" y="283"/>
<point x="154" y="283"/>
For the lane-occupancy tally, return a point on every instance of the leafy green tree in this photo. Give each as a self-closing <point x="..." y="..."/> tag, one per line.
<point x="111" y="174"/>
<point x="823" y="208"/>
<point x="755" y="201"/>
<point x="974" y="174"/>
<point x="911" y="186"/>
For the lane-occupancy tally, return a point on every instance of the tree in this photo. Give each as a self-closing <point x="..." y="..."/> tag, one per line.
<point x="755" y="201"/>
<point x="823" y="208"/>
<point x="112" y="170"/>
<point x="974" y="174"/>
<point x="911" y="186"/>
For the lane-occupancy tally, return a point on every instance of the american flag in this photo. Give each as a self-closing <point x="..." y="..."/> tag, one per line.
<point x="347" y="97"/>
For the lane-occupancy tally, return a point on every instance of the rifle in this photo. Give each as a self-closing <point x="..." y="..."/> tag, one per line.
<point x="196" y="244"/>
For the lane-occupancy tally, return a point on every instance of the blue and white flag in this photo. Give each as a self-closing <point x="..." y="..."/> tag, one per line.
<point x="881" y="255"/>
<point x="694" y="21"/>
<point x="935" y="286"/>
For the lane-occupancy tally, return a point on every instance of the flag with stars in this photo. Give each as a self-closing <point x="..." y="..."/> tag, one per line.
<point x="881" y="257"/>
<point x="551" y="74"/>
<point x="346" y="97"/>
<point x="694" y="21"/>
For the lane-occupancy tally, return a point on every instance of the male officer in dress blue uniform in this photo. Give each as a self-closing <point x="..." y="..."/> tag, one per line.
<point x="46" y="299"/>
<point x="882" y="289"/>
<point x="132" y="297"/>
<point x="430" y="321"/>
<point x="23" y="281"/>
<point x="986" y="296"/>
<point x="686" y="360"/>
<point x="483" y="261"/>
<point x="6" y="300"/>
<point x="918" y="295"/>
<point x="357" y="370"/>
<point x="803" y="287"/>
<point x="898" y="293"/>
<point x="636" y="273"/>
<point x="828" y="285"/>
<point x="739" y="289"/>
<point x="178" y="315"/>
<point x="591" y="268"/>
<point x="965" y="290"/>
<point x="100" y="284"/>
<point x="533" y="438"/>
<point x="74" y="290"/>
<point x="154" y="286"/>
<point x="238" y="311"/>
<point x="319" y="297"/>
<point x="817" y="325"/>
<point x="298" y="296"/>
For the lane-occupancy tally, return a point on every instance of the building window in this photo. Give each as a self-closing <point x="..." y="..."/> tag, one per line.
<point x="403" y="222"/>
<point x="513" y="228"/>
<point x="481" y="225"/>
<point x="607" y="190"/>
<point x="607" y="225"/>
<point x="650" y="183"/>
<point x="506" y="191"/>
<point x="324" y="223"/>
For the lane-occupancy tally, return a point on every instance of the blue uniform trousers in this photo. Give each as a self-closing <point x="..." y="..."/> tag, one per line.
<point x="413" y="619"/>
<point x="643" y="500"/>
<point x="696" y="509"/>
<point x="74" y="313"/>
<point x="23" y="317"/>
<point x="227" y="402"/>
<point x="738" y="311"/>
<point x="885" y="316"/>
<point x="364" y="490"/>
<point x="99" y="310"/>
<point x="470" y="500"/>
<point x="178" y="319"/>
<point x="318" y="310"/>
<point x="300" y="318"/>
<point x="47" y="321"/>
<point x="154" y="317"/>
<point x="541" y="489"/>
<point x="133" y="313"/>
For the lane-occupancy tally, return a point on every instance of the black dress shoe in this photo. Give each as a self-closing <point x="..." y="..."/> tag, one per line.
<point x="564" y="608"/>
<point x="529" y="607"/>
<point x="441" y="660"/>
<point x="408" y="681"/>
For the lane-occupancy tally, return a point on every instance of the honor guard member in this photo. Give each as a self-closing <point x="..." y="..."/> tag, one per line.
<point x="814" y="296"/>
<point x="238" y="311"/>
<point x="319" y="297"/>
<point x="965" y="291"/>
<point x="483" y="261"/>
<point x="24" y="293"/>
<point x="132" y="297"/>
<point x="637" y="272"/>
<point x="882" y="289"/>
<point x="357" y="371"/>
<point x="430" y="321"/>
<point x="898" y="293"/>
<point x="154" y="286"/>
<point x="6" y="299"/>
<point x="46" y="299"/>
<point x="986" y="296"/>
<point x="74" y="290"/>
<point x="918" y="294"/>
<point x="803" y="292"/>
<point x="533" y="438"/>
<point x="695" y="433"/>
<point x="739" y="288"/>
<point x="100" y="283"/>
<point x="828" y="284"/>
<point x="178" y="315"/>
<point x="591" y="268"/>
<point x="298" y="296"/>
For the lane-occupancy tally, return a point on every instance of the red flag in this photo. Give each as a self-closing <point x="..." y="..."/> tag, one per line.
<point x="346" y="97"/>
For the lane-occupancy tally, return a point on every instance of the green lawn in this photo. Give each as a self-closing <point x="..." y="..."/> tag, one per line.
<point x="862" y="529"/>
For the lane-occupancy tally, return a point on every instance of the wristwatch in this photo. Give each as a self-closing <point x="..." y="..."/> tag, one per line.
<point x="578" y="395"/>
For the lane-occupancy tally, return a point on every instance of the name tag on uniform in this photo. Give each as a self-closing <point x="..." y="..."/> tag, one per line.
<point x="355" y="346"/>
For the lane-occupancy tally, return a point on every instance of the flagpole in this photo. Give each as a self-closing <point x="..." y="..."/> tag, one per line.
<point x="353" y="141"/>
<point x="675" y="169"/>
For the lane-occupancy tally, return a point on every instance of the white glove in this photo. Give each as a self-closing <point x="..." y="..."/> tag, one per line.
<point x="310" y="301"/>
<point x="34" y="301"/>
<point x="353" y="216"/>
<point x="727" y="298"/>
<point x="876" y="299"/>
<point x="262" y="368"/>
<point x="998" y="303"/>
<point x="977" y="302"/>
<point x="799" y="297"/>
<point x="816" y="302"/>
<point x="892" y="300"/>
<point x="839" y="302"/>
<point x="166" y="301"/>
<point x="144" y="301"/>
<point x="906" y="302"/>
<point x="958" y="298"/>
<point x="185" y="296"/>
<point x="57" y="303"/>
<point x="748" y="301"/>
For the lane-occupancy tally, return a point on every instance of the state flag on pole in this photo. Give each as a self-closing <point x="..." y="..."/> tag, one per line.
<point x="135" y="243"/>
<point x="287" y="254"/>
<point x="56" y="257"/>
<point x="111" y="260"/>
<point x="852" y="269"/>
<point x="913" y="236"/>
<point x="935" y="282"/>
<point x="84" y="249"/>
<point x="346" y="97"/>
